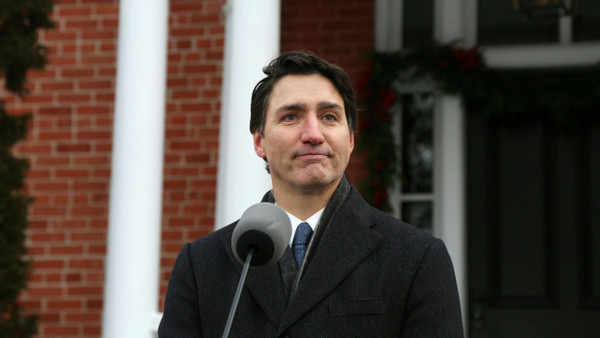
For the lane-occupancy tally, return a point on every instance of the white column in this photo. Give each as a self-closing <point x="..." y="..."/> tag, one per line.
<point x="450" y="154"/>
<point x="133" y="251"/>
<point x="388" y="25"/>
<point x="251" y="41"/>
<point x="450" y="186"/>
<point x="450" y="24"/>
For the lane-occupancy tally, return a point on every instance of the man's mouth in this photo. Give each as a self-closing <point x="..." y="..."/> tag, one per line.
<point x="312" y="155"/>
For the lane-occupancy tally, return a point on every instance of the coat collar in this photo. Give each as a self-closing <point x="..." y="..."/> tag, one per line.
<point x="343" y="239"/>
<point x="344" y="243"/>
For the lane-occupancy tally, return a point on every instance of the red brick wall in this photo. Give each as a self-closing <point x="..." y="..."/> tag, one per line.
<point x="69" y="143"/>
<point x="196" y="45"/>
<point x="69" y="147"/>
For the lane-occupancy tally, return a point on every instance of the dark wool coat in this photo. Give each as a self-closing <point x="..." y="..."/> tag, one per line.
<point x="366" y="274"/>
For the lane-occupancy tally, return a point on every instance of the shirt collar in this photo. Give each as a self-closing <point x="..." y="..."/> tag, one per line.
<point x="312" y="221"/>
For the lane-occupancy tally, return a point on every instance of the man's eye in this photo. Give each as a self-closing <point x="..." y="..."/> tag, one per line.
<point x="289" y="117"/>
<point x="329" y="117"/>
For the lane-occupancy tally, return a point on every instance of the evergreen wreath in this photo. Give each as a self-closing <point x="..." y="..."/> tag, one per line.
<point x="565" y="96"/>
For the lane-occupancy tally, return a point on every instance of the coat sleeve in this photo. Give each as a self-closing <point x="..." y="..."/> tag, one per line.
<point x="433" y="305"/>
<point x="181" y="313"/>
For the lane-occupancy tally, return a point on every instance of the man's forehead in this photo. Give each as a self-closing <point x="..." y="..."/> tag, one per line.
<point x="297" y="89"/>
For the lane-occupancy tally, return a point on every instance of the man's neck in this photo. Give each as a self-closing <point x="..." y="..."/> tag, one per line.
<point x="302" y="204"/>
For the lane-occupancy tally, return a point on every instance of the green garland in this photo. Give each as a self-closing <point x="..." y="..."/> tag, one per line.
<point x="565" y="96"/>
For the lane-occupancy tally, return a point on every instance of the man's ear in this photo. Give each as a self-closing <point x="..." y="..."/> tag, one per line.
<point x="258" y="144"/>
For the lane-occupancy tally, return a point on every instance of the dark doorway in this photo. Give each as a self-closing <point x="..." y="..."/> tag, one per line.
<point x="533" y="228"/>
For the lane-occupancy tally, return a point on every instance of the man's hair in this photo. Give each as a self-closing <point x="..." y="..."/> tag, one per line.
<point x="300" y="63"/>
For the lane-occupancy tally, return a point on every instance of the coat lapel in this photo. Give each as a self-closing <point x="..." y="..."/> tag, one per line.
<point x="265" y="285"/>
<point x="346" y="242"/>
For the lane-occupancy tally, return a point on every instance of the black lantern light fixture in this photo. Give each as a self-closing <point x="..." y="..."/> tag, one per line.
<point x="533" y="9"/>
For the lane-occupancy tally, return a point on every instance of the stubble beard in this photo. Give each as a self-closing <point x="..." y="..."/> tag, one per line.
<point x="312" y="180"/>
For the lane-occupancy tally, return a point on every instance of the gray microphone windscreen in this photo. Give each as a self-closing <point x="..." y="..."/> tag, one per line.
<point x="267" y="228"/>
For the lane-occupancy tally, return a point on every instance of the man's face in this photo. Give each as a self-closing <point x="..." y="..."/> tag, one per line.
<point x="306" y="140"/>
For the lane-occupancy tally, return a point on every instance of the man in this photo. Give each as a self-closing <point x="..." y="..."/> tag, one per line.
<point x="364" y="274"/>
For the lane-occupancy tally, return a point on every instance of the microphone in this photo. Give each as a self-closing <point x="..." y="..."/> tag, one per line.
<point x="259" y="239"/>
<point x="264" y="227"/>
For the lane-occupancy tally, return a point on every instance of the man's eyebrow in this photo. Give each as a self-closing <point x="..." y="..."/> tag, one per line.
<point x="302" y="106"/>
<point x="329" y="105"/>
<point x="291" y="106"/>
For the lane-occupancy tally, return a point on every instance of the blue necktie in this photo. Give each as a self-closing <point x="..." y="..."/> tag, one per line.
<point x="301" y="238"/>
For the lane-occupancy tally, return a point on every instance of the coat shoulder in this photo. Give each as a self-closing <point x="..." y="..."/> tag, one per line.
<point x="212" y="249"/>
<point x="386" y="225"/>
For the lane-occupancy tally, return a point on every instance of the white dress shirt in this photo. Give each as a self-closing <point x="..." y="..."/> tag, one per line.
<point x="312" y="221"/>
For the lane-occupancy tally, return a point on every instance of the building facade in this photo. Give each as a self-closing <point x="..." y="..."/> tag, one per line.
<point x="70" y="146"/>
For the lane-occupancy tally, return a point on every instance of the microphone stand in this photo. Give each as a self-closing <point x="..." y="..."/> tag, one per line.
<point x="238" y="292"/>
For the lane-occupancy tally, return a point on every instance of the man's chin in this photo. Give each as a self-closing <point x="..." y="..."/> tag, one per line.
<point x="313" y="178"/>
<point x="315" y="183"/>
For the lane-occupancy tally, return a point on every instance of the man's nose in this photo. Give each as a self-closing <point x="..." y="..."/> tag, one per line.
<point x="311" y="130"/>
